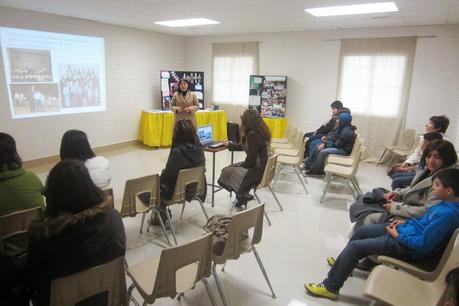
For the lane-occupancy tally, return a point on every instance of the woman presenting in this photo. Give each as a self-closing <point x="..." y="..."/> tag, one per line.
<point x="184" y="103"/>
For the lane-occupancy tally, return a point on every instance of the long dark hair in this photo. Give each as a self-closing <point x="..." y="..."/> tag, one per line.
<point x="252" y="121"/>
<point x="184" y="81"/>
<point x="70" y="189"/>
<point x="445" y="149"/>
<point x="184" y="132"/>
<point x="8" y="153"/>
<point x="75" y="145"/>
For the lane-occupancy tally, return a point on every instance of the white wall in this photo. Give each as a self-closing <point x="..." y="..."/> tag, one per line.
<point x="133" y="61"/>
<point x="310" y="59"/>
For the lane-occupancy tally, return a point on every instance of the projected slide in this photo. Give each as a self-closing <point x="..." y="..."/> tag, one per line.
<point x="52" y="73"/>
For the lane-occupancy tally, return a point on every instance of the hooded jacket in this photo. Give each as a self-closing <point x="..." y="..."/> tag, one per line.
<point x="429" y="234"/>
<point x="343" y="136"/>
<point x="71" y="243"/>
<point x="180" y="157"/>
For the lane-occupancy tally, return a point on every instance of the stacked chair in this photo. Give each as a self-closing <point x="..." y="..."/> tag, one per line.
<point x="408" y="144"/>
<point x="291" y="140"/>
<point x="344" y="167"/>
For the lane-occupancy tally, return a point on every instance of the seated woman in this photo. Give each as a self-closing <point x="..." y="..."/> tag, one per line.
<point x="436" y="126"/>
<point x="80" y="229"/>
<point x="241" y="177"/>
<point x="403" y="174"/>
<point x="340" y="141"/>
<point x="325" y="128"/>
<point x="413" y="201"/>
<point x="186" y="152"/>
<point x="19" y="190"/>
<point x="75" y="145"/>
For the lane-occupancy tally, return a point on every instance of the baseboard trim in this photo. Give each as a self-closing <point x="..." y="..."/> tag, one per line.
<point x="53" y="159"/>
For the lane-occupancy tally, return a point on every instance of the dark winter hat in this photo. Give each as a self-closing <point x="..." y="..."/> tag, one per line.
<point x="336" y="104"/>
<point x="345" y="118"/>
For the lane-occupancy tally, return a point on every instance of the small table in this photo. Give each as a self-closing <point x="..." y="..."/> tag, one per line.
<point x="213" y="151"/>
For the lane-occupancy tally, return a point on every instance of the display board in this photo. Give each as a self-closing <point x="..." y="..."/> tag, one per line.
<point x="268" y="94"/>
<point x="169" y="85"/>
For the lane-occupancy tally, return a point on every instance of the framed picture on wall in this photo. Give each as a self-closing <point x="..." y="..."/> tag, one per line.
<point x="169" y="85"/>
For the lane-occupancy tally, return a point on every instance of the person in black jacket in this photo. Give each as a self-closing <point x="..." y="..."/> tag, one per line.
<point x="186" y="152"/>
<point x="241" y="177"/>
<point x="80" y="230"/>
<point x="325" y="128"/>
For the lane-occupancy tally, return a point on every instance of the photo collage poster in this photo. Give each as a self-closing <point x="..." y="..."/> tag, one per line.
<point x="268" y="94"/>
<point x="169" y="85"/>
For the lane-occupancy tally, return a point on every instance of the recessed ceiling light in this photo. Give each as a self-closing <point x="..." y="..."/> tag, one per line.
<point x="186" y="22"/>
<point x="367" y="8"/>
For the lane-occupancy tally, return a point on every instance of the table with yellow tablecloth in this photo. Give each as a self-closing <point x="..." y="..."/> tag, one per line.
<point x="156" y="126"/>
<point x="277" y="126"/>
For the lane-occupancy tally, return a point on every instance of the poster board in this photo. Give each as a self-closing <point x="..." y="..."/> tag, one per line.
<point x="268" y="94"/>
<point x="169" y="85"/>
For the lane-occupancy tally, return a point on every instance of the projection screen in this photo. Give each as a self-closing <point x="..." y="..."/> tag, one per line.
<point x="52" y="73"/>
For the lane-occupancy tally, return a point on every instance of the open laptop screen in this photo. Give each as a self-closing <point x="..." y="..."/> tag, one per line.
<point x="205" y="134"/>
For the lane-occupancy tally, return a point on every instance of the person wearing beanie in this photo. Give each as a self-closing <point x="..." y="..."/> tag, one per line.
<point x="324" y="129"/>
<point x="339" y="141"/>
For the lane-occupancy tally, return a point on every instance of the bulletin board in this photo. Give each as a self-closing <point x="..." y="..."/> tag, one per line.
<point x="169" y="85"/>
<point x="268" y="94"/>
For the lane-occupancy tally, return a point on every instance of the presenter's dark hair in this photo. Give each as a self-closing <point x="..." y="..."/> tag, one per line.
<point x="186" y="81"/>
<point x="184" y="132"/>
<point x="336" y="104"/>
<point x="445" y="149"/>
<point x="8" y="153"/>
<point x="449" y="178"/>
<point x="75" y="145"/>
<point x="70" y="189"/>
<point x="252" y="121"/>
<point x="441" y="123"/>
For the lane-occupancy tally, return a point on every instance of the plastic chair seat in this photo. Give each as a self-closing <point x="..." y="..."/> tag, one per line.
<point x="144" y="275"/>
<point x="339" y="170"/>
<point x="288" y="160"/>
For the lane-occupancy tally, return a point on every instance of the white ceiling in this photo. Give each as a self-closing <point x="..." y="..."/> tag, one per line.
<point x="242" y="16"/>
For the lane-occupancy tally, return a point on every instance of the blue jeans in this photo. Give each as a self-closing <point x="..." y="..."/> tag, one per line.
<point x="312" y="153"/>
<point x="369" y="239"/>
<point x="319" y="163"/>
<point x="402" y="179"/>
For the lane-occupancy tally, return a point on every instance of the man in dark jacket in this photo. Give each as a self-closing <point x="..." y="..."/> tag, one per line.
<point x="340" y="141"/>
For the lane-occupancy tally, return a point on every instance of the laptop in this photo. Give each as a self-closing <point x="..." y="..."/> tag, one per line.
<point x="206" y="137"/>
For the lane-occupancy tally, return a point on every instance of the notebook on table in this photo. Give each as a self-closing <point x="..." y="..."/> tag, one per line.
<point x="206" y="137"/>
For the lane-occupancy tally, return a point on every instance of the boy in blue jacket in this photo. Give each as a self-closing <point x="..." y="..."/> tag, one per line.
<point x="416" y="239"/>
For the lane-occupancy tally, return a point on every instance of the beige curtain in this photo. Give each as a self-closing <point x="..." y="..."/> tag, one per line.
<point x="232" y="64"/>
<point x="374" y="82"/>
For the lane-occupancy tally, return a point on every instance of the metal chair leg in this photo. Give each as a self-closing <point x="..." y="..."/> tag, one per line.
<point x="301" y="180"/>
<point x="172" y="227"/>
<point x="356" y="186"/>
<point x="329" y="179"/>
<point x="141" y="224"/>
<point x="202" y="206"/>
<point x="264" y="211"/>
<point x="350" y="187"/>
<point x="263" y="270"/>
<point x="219" y="285"/>
<point x="183" y="209"/>
<point x="275" y="198"/>
<point x="209" y="292"/>
<point x="163" y="228"/>
<point x="381" y="158"/>
<point x="279" y="170"/>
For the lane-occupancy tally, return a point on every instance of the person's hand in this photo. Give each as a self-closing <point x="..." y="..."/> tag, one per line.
<point x="392" y="231"/>
<point x="321" y="146"/>
<point x="387" y="206"/>
<point x="390" y="195"/>
<point x="396" y="222"/>
<point x="177" y="109"/>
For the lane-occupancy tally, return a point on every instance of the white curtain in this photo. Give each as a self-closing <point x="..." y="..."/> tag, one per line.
<point x="233" y="63"/>
<point x="374" y="82"/>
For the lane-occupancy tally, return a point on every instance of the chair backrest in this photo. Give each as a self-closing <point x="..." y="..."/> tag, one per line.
<point x="270" y="171"/>
<point x="356" y="163"/>
<point x="18" y="221"/>
<point x="409" y="138"/>
<point x="186" y="177"/>
<point x="181" y="267"/>
<point x="450" y="258"/>
<point x="106" y="282"/>
<point x="292" y="136"/>
<point x="131" y="205"/>
<point x="240" y="224"/>
<point x="300" y="156"/>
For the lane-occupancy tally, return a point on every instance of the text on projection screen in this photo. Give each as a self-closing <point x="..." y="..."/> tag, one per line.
<point x="52" y="73"/>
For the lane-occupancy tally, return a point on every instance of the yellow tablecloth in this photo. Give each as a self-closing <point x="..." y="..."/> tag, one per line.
<point x="277" y="126"/>
<point x="156" y="126"/>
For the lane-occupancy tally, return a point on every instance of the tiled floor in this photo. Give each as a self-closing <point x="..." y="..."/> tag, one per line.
<point x="293" y="249"/>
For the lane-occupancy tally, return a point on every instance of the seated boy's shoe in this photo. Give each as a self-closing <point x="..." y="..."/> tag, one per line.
<point x="319" y="290"/>
<point x="155" y="222"/>
<point x="314" y="173"/>
<point x="366" y="264"/>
